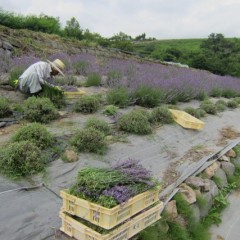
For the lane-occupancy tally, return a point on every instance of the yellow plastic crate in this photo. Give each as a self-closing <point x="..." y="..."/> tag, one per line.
<point x="73" y="95"/>
<point x="186" y="120"/>
<point x="79" y="231"/>
<point x="107" y="217"/>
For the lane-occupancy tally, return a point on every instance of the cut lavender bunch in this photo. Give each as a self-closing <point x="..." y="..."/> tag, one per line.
<point x="120" y="193"/>
<point x="134" y="169"/>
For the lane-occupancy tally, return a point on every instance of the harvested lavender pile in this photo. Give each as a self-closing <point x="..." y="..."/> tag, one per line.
<point x="112" y="186"/>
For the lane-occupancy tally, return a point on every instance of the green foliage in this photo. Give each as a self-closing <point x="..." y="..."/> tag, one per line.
<point x="134" y="122"/>
<point x="237" y="150"/>
<point x="147" y="96"/>
<point x="35" y="133"/>
<point x="237" y="99"/>
<point x="39" y="110"/>
<point x="201" y="201"/>
<point x="72" y="29"/>
<point x="192" y="111"/>
<point x="87" y="104"/>
<point x="216" y="92"/>
<point x="93" y="79"/>
<point x="55" y="95"/>
<point x="110" y="110"/>
<point x="229" y="93"/>
<point x="113" y="79"/>
<point x="119" y="97"/>
<point x="42" y="23"/>
<point x="21" y="159"/>
<point x="81" y="67"/>
<point x="67" y="80"/>
<point x="232" y="104"/>
<point x="99" y="125"/>
<point x="183" y="207"/>
<point x="161" y="115"/>
<point x="221" y="105"/>
<point x="5" y="109"/>
<point x="208" y="107"/>
<point x="89" y="140"/>
<point x="15" y="74"/>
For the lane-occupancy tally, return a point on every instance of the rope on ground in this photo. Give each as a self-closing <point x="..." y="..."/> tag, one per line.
<point x="31" y="188"/>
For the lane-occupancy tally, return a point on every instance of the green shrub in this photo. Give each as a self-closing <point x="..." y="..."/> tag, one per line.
<point x="15" y="73"/>
<point x="110" y="110"/>
<point x="99" y="125"/>
<point x="35" y="133"/>
<point x="66" y="80"/>
<point x="192" y="111"/>
<point x="81" y="67"/>
<point x="161" y="115"/>
<point x="134" y="122"/>
<point x="87" y="104"/>
<point x="39" y="110"/>
<point x="183" y="207"/>
<point x="147" y="96"/>
<point x="200" y="112"/>
<point x="5" y="109"/>
<point x="237" y="99"/>
<point x="229" y="93"/>
<point x="232" y="104"/>
<point x="21" y="159"/>
<point x="221" y="105"/>
<point x="56" y="96"/>
<point x="93" y="79"/>
<point x="209" y="107"/>
<point x="216" y="92"/>
<point x="89" y="140"/>
<point x="202" y="96"/>
<point x="113" y="79"/>
<point x="119" y="97"/>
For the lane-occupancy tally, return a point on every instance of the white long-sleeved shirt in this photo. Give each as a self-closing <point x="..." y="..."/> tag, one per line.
<point x="42" y="69"/>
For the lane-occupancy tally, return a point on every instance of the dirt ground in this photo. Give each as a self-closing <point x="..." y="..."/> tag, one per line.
<point x="35" y="214"/>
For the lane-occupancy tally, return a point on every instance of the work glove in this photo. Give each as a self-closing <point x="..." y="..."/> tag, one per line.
<point x="15" y="82"/>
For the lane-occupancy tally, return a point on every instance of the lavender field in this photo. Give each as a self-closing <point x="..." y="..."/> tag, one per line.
<point x="172" y="80"/>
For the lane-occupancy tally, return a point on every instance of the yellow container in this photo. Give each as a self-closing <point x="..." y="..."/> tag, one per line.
<point x="74" y="94"/>
<point x="79" y="231"/>
<point x="186" y="120"/>
<point x="107" y="217"/>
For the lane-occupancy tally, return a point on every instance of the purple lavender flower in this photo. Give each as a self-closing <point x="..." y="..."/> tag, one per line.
<point x="120" y="193"/>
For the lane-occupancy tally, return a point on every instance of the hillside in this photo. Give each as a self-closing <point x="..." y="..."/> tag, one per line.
<point x="30" y="206"/>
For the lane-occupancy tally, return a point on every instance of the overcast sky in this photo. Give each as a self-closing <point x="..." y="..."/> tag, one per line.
<point x="162" y="19"/>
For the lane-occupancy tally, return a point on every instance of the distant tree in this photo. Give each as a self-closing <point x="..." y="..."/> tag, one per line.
<point x="141" y="37"/>
<point x="72" y="29"/>
<point x="120" y="37"/>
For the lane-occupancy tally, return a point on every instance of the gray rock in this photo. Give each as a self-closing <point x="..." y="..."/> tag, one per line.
<point x="222" y="176"/>
<point x="7" y="46"/>
<point x="209" y="201"/>
<point x="198" y="183"/>
<point x="4" y="79"/>
<point x="196" y="212"/>
<point x="3" y="124"/>
<point x="228" y="168"/>
<point x="213" y="188"/>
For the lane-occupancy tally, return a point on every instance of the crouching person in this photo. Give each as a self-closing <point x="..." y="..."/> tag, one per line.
<point x="36" y="75"/>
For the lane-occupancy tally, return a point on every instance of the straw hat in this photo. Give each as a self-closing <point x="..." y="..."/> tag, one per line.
<point x="58" y="65"/>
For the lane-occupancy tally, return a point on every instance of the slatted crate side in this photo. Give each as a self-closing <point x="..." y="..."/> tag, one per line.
<point x="79" y="231"/>
<point x="105" y="217"/>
